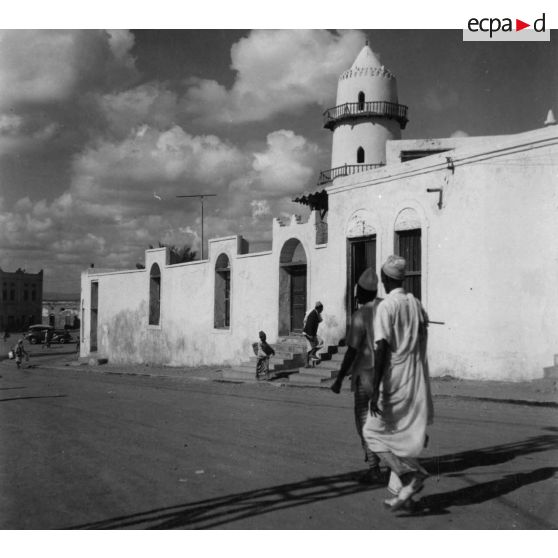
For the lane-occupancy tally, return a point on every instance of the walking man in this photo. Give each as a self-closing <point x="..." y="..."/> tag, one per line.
<point x="359" y="362"/>
<point x="400" y="400"/>
<point x="310" y="331"/>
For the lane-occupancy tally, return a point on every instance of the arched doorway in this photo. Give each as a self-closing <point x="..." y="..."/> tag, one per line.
<point x="292" y="287"/>
<point x="361" y="253"/>
<point x="222" y="307"/>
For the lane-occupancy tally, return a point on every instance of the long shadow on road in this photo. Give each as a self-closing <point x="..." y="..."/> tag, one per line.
<point x="31" y="397"/>
<point x="451" y="464"/>
<point x="219" y="511"/>
<point x="438" y="504"/>
<point x="494" y="455"/>
<point x="215" y="512"/>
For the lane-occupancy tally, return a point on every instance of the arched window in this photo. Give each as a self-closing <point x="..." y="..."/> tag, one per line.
<point x="360" y="155"/>
<point x="361" y="101"/>
<point x="154" y="295"/>
<point x="222" y="314"/>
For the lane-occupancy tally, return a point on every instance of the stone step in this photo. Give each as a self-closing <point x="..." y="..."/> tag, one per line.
<point x="275" y="361"/>
<point x="333" y="352"/>
<point x="251" y="368"/>
<point x="332" y="358"/>
<point x="241" y="375"/>
<point x="290" y="348"/>
<point x="306" y="379"/>
<point x="551" y="371"/>
<point x="329" y="365"/>
<point x="318" y="372"/>
<point x="276" y="364"/>
<point x="281" y="357"/>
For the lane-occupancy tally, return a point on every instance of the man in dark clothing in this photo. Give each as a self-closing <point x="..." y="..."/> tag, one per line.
<point x="359" y="362"/>
<point x="310" y="331"/>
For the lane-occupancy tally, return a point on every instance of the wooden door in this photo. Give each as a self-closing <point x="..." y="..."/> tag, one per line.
<point x="298" y="297"/>
<point x="93" y="317"/>
<point x="362" y="254"/>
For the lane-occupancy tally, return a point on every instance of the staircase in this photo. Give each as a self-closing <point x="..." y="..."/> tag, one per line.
<point x="322" y="373"/>
<point x="552" y="371"/>
<point x="289" y="362"/>
<point x="290" y="355"/>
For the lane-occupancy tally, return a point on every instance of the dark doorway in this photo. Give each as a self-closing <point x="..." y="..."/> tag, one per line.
<point x="222" y="310"/>
<point x="362" y="254"/>
<point x="298" y="297"/>
<point x="93" y="321"/>
<point x="292" y="287"/>
<point x="154" y="295"/>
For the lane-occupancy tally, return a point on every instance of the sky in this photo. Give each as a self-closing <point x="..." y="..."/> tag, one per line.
<point x="101" y="130"/>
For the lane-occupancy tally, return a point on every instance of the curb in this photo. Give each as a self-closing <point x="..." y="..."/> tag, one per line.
<point x="531" y="402"/>
<point x="100" y="369"/>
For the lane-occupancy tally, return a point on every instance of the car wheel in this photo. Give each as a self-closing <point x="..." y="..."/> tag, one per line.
<point x="62" y="341"/>
<point x="33" y="341"/>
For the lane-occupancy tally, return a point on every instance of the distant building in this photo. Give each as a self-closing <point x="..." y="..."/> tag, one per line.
<point x="61" y="310"/>
<point x="475" y="217"/>
<point x="21" y="297"/>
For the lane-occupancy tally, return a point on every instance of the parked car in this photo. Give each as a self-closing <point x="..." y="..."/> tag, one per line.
<point x="36" y="333"/>
<point x="61" y="336"/>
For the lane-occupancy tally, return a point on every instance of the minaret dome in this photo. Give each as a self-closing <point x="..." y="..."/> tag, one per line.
<point x="367" y="114"/>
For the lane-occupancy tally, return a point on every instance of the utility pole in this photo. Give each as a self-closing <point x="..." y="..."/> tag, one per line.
<point x="201" y="198"/>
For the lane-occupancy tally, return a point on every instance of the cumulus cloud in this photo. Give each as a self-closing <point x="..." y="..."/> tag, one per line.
<point x="150" y="104"/>
<point x="260" y="208"/>
<point x="111" y="200"/>
<point x="277" y="71"/>
<point x="23" y="133"/>
<point x="10" y="124"/>
<point x="54" y="77"/>
<point x="286" y="164"/>
<point x="45" y="66"/>
<point x="128" y="141"/>
<point x="170" y="162"/>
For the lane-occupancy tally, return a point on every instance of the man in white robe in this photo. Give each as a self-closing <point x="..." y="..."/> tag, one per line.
<point x="400" y="402"/>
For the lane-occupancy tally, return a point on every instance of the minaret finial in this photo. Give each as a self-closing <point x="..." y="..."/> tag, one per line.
<point x="550" y="120"/>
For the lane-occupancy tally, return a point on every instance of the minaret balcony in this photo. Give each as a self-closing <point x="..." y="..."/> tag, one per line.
<point x="345" y="170"/>
<point x="356" y="111"/>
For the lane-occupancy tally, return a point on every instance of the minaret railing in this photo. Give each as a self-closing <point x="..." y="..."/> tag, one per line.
<point x="345" y="170"/>
<point x="386" y="109"/>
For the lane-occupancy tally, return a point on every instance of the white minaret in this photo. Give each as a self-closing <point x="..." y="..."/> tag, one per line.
<point x="367" y="114"/>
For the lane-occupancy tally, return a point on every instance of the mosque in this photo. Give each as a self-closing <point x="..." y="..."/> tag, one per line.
<point x="475" y="217"/>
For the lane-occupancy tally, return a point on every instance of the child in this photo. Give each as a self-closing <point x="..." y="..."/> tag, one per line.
<point x="20" y="352"/>
<point x="263" y="352"/>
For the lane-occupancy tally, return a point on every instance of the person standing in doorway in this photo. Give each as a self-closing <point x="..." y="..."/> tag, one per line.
<point x="310" y="331"/>
<point x="359" y="362"/>
<point x="400" y="398"/>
